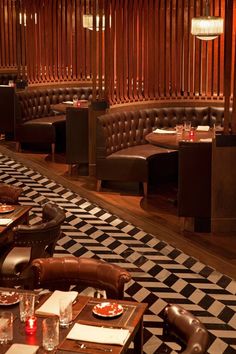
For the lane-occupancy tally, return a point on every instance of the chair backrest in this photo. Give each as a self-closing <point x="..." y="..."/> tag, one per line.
<point x="60" y="273"/>
<point x="9" y="194"/>
<point x="187" y="327"/>
<point x="41" y="238"/>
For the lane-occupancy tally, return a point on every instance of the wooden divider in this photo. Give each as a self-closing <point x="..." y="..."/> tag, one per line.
<point x="145" y="53"/>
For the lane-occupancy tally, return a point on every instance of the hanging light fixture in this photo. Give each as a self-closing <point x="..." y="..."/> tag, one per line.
<point x="88" y="22"/>
<point x="207" y="27"/>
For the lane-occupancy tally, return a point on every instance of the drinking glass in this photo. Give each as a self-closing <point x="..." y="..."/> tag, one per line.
<point x="179" y="129"/>
<point x="65" y="307"/>
<point x="50" y="328"/>
<point x="27" y="301"/>
<point x="6" y="327"/>
<point x="187" y="125"/>
<point x="75" y="100"/>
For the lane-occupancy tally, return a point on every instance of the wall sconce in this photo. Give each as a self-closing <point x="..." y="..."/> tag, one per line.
<point x="207" y="27"/>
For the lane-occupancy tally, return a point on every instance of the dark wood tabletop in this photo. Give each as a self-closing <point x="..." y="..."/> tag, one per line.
<point x="18" y="216"/>
<point x="131" y="319"/>
<point x="171" y="141"/>
<point x="61" y="107"/>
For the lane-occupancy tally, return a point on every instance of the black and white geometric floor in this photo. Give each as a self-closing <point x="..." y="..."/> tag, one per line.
<point x="160" y="273"/>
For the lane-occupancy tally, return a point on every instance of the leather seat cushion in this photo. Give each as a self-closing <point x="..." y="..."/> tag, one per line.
<point x="43" y="129"/>
<point x="143" y="152"/>
<point x="130" y="164"/>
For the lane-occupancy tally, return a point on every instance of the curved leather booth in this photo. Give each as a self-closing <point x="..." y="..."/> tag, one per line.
<point x="187" y="327"/>
<point x="36" y="122"/>
<point x="60" y="273"/>
<point x="122" y="152"/>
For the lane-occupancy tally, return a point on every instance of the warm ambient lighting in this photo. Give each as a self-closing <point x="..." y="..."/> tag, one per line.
<point x="207" y="27"/>
<point x="88" y="22"/>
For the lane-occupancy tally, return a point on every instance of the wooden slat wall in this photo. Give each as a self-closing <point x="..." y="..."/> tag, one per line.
<point x="8" y="57"/>
<point x="163" y="60"/>
<point x="146" y="54"/>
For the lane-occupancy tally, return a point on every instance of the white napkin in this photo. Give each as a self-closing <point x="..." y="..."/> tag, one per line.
<point x="4" y="222"/>
<point x="203" y="128"/>
<point x="17" y="348"/>
<point x="207" y="140"/>
<point x="68" y="102"/>
<point x="51" y="305"/>
<point x="164" y="131"/>
<point x="98" y="334"/>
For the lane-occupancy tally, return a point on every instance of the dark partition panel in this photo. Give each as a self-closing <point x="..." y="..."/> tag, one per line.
<point x="77" y="136"/>
<point x="7" y="110"/>
<point x="194" y="190"/>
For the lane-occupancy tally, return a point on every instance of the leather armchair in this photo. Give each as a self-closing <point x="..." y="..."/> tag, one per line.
<point x="9" y="194"/>
<point x="187" y="327"/>
<point x="30" y="242"/>
<point x="61" y="273"/>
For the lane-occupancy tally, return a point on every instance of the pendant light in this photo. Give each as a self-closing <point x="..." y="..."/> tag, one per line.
<point x="207" y="27"/>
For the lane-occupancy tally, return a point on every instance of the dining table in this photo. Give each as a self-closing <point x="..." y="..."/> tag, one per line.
<point x="193" y="198"/>
<point x="168" y="138"/>
<point x="10" y="216"/>
<point x="130" y="318"/>
<point x="61" y="107"/>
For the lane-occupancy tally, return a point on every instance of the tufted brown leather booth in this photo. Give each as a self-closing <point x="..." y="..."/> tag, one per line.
<point x="187" y="327"/>
<point x="30" y="242"/>
<point x="123" y="154"/>
<point x="36" y="122"/>
<point x="9" y="194"/>
<point x="61" y="273"/>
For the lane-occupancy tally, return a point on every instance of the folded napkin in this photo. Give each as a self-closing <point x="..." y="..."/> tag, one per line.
<point x="51" y="305"/>
<point x="68" y="102"/>
<point x="164" y="131"/>
<point x="203" y="128"/>
<point x="207" y="140"/>
<point x="4" y="222"/>
<point x="98" y="334"/>
<point x="22" y="348"/>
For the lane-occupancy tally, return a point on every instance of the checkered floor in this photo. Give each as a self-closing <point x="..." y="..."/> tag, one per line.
<point x="160" y="273"/>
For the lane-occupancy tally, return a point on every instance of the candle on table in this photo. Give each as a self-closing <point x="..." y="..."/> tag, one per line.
<point x="31" y="325"/>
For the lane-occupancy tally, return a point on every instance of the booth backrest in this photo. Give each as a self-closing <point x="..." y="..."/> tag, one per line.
<point x="119" y="130"/>
<point x="37" y="103"/>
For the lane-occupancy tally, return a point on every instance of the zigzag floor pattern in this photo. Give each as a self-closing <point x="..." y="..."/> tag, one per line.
<point x="160" y="273"/>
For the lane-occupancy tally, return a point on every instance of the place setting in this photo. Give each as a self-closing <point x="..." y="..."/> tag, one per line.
<point x="5" y="208"/>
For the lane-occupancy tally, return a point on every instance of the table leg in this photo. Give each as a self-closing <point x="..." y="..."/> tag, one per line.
<point x="138" y="339"/>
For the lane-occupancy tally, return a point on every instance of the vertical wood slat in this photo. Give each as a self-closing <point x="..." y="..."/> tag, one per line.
<point x="148" y="61"/>
<point x="228" y="61"/>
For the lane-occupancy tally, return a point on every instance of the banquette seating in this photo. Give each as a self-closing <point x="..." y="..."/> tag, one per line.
<point x="122" y="152"/>
<point x="36" y="122"/>
<point x="61" y="273"/>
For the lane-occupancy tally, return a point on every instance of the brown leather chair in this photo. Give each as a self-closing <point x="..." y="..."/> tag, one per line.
<point x="9" y="194"/>
<point x="187" y="327"/>
<point x="61" y="273"/>
<point x="30" y="242"/>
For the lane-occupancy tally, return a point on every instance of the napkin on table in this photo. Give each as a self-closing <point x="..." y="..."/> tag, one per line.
<point x="17" y="348"/>
<point x="98" y="334"/>
<point x="68" y="102"/>
<point x="206" y="140"/>
<point x="203" y="128"/>
<point x="164" y="131"/>
<point x="4" y="222"/>
<point x="51" y="305"/>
